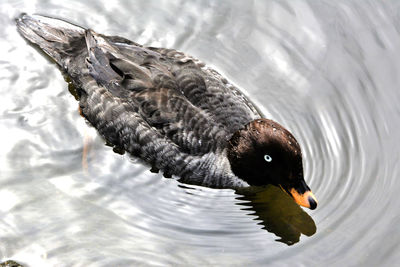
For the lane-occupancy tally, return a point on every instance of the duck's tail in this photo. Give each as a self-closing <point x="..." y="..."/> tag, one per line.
<point x="57" y="38"/>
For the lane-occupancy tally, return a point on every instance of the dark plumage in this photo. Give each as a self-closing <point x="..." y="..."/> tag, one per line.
<point x="170" y="110"/>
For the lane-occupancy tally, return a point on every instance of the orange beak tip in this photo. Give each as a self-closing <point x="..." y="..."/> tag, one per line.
<point x="306" y="199"/>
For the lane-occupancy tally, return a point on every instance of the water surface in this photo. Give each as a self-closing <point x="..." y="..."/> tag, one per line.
<point x="327" y="71"/>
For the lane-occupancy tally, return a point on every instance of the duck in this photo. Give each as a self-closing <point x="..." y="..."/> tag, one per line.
<point x="171" y="110"/>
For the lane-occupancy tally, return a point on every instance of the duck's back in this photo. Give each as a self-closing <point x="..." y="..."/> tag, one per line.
<point x="159" y="104"/>
<point x="160" y="77"/>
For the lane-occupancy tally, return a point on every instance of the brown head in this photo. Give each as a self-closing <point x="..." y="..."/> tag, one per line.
<point x="264" y="152"/>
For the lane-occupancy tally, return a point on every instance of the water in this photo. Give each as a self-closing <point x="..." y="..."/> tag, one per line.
<point x="327" y="71"/>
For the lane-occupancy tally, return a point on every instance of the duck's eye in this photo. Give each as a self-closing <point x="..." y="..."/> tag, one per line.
<point x="267" y="158"/>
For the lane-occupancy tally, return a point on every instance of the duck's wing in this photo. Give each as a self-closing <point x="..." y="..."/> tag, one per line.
<point x="144" y="79"/>
<point x="204" y="87"/>
<point x="189" y="103"/>
<point x="210" y="91"/>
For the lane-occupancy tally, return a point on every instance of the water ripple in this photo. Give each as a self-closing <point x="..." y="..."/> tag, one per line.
<point x="326" y="70"/>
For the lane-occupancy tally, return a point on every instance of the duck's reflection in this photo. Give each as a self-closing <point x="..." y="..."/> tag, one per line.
<point x="277" y="213"/>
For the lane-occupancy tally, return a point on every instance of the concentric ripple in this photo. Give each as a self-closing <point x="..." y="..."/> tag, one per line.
<point x="328" y="71"/>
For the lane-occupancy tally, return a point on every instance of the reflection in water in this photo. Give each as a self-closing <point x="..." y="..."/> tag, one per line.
<point x="10" y="264"/>
<point x="278" y="213"/>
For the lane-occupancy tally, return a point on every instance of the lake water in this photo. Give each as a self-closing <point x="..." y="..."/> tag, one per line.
<point x="327" y="70"/>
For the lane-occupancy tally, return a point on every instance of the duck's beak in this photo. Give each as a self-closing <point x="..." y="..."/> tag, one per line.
<point x="307" y="199"/>
<point x="302" y="195"/>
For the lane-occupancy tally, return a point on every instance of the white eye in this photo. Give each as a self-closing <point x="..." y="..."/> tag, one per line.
<point x="267" y="158"/>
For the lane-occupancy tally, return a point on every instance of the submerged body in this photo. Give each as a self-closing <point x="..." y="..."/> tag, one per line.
<point x="171" y="110"/>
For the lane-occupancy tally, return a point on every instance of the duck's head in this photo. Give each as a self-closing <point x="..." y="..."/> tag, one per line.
<point x="264" y="152"/>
